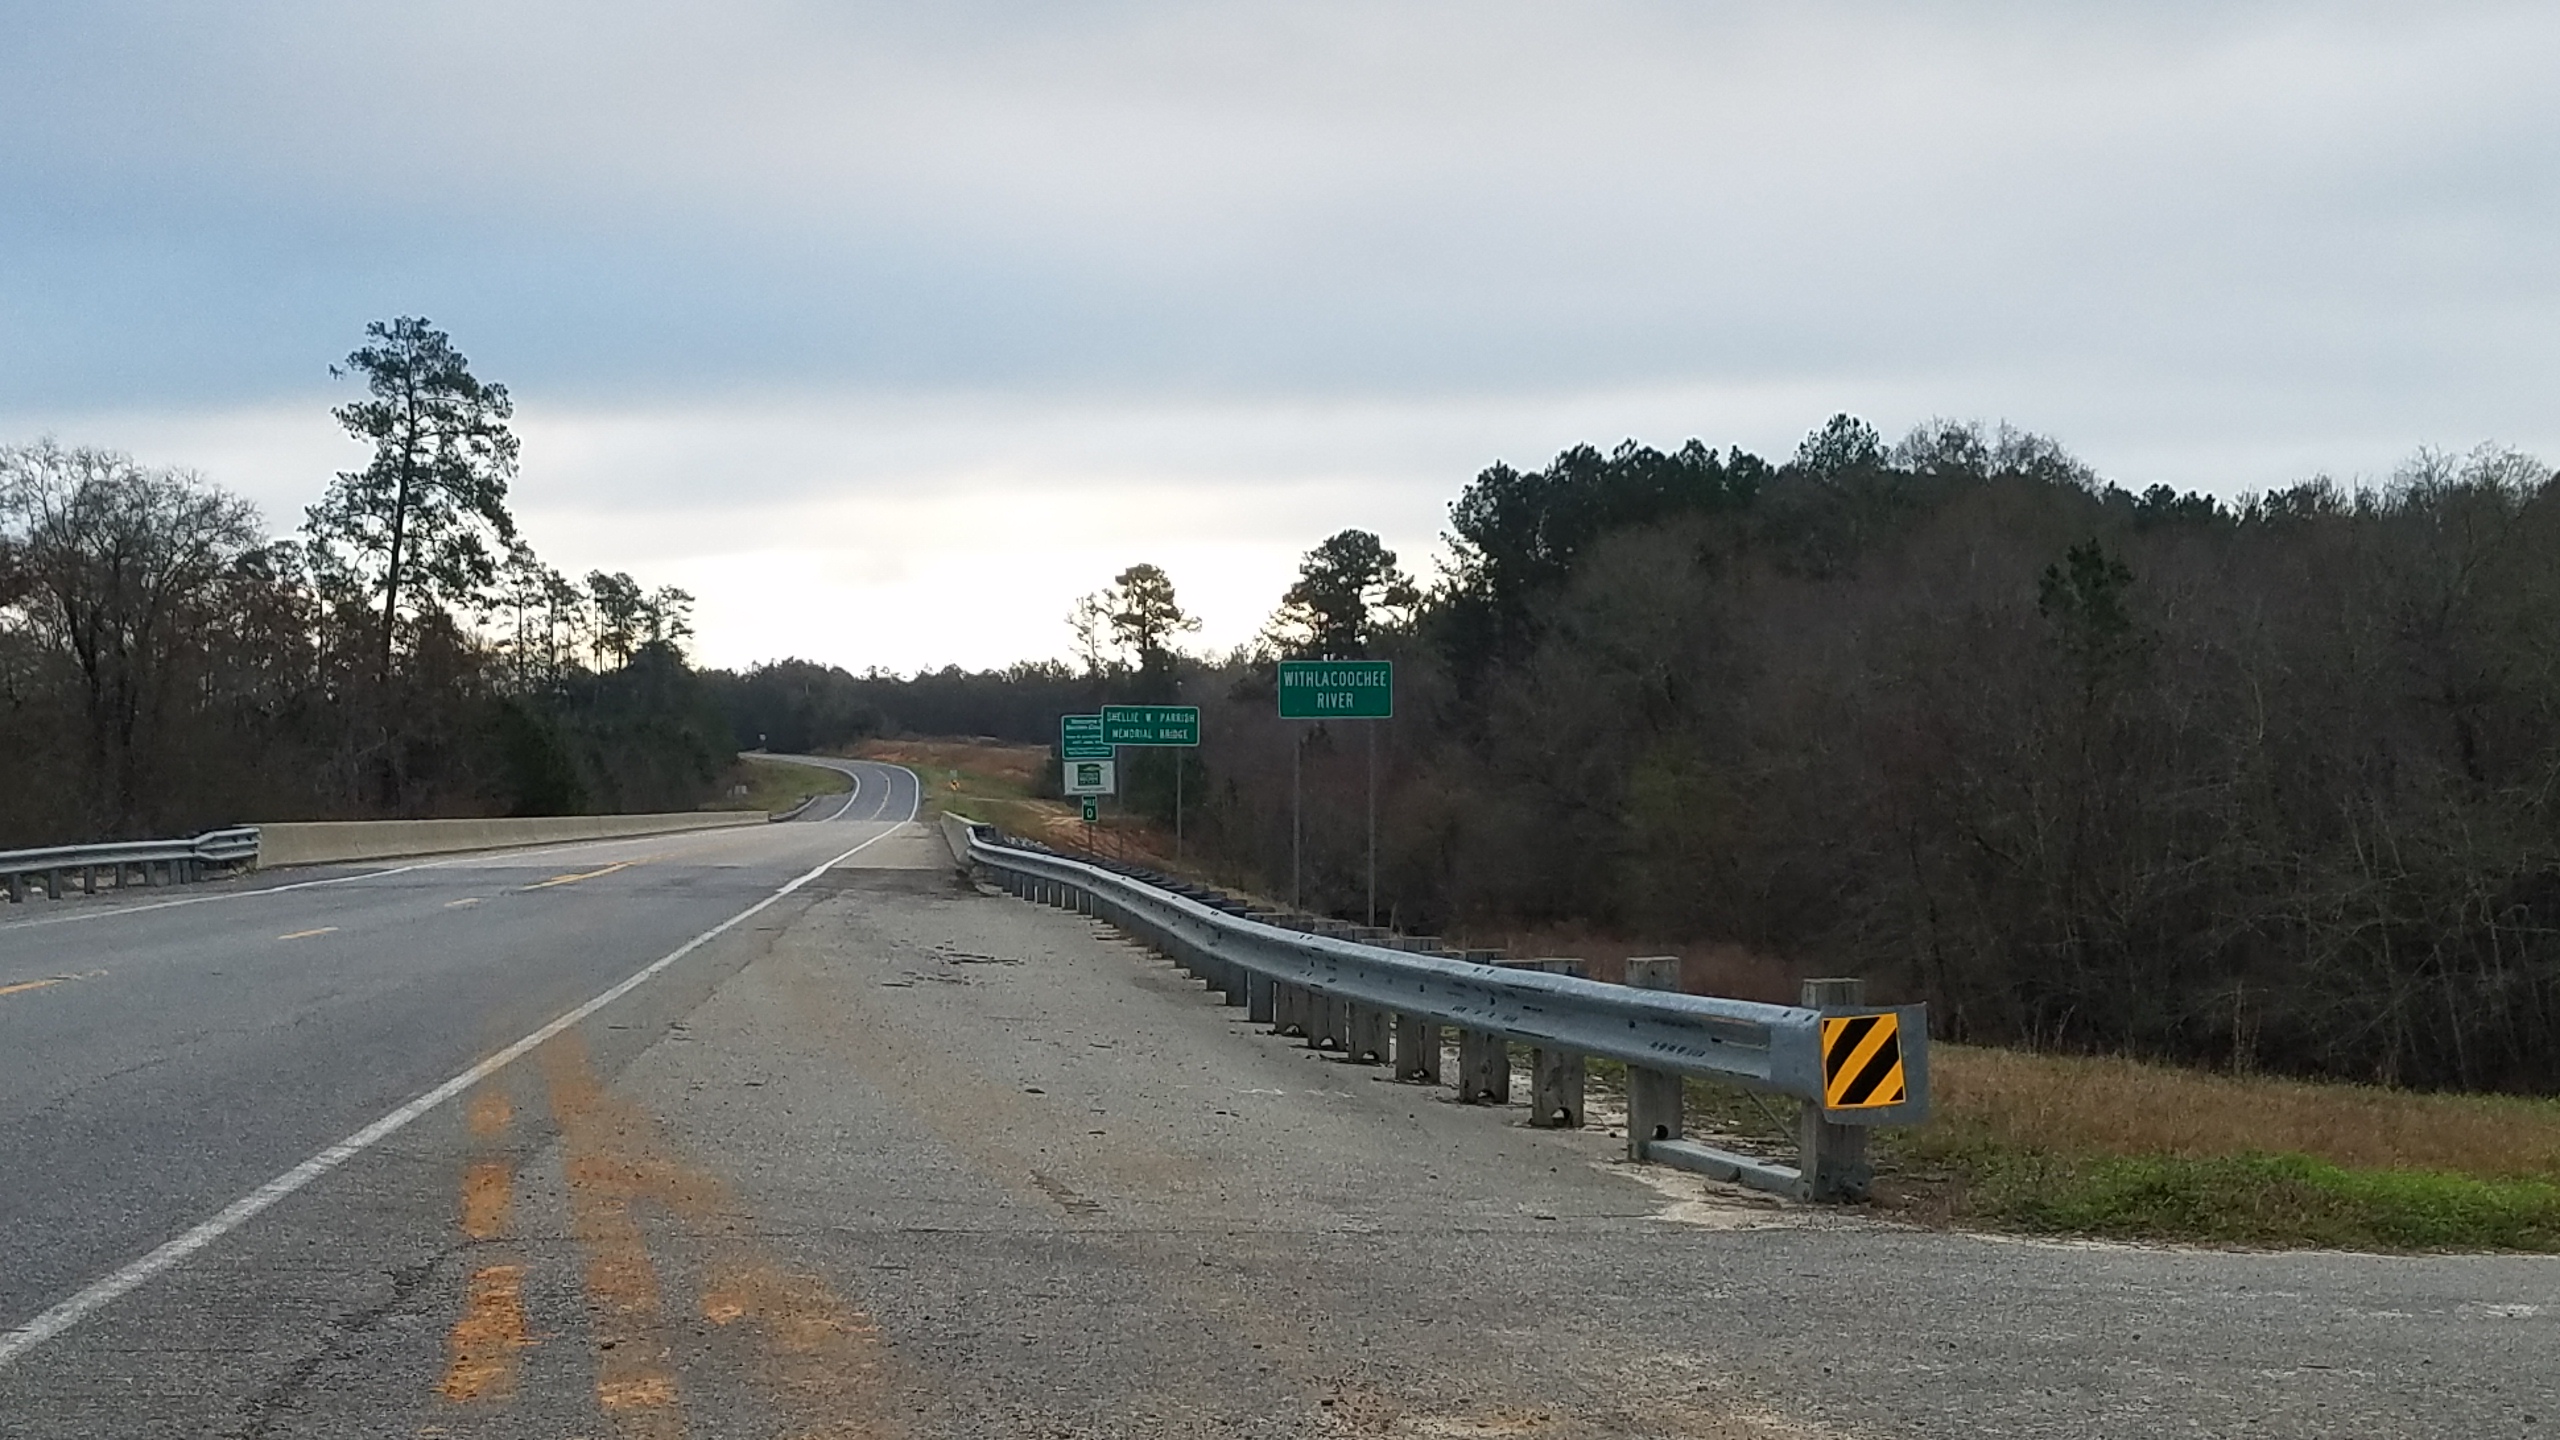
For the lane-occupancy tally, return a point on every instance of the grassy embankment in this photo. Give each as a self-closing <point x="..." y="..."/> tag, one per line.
<point x="775" y="785"/>
<point x="2062" y="1145"/>
<point x="2123" y="1149"/>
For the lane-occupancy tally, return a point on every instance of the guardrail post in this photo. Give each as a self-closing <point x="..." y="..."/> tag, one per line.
<point x="1365" y="1037"/>
<point x="1326" y="1015"/>
<point x="17" y="888"/>
<point x="1555" y="1076"/>
<point x="1484" y="1069"/>
<point x="1288" y="1009"/>
<point x="1417" y="1049"/>
<point x="1655" y="1099"/>
<point x="88" y="879"/>
<point x="53" y="884"/>
<point x="1833" y="1161"/>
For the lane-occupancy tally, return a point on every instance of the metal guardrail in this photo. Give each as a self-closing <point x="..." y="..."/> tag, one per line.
<point x="1848" y="1065"/>
<point x="150" y="862"/>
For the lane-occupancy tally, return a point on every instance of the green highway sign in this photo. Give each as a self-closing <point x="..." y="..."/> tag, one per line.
<point x="1080" y="738"/>
<point x="1151" y="724"/>
<point x="1337" y="689"/>
<point x="1092" y="810"/>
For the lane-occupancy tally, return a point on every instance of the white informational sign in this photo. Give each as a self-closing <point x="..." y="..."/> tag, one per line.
<point x="1091" y="777"/>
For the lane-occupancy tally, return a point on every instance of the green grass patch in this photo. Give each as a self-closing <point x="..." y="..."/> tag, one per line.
<point x="2271" y="1200"/>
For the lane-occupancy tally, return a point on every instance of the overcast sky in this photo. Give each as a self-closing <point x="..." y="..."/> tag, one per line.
<point x="889" y="329"/>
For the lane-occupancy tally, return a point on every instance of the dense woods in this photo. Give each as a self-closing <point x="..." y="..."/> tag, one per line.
<point x="2270" y="783"/>
<point x="167" y="664"/>
<point x="2262" y="784"/>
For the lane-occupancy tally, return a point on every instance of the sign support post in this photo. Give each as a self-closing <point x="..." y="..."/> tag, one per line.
<point x="1297" y="822"/>
<point x="1373" y="827"/>
<point x="1333" y="690"/>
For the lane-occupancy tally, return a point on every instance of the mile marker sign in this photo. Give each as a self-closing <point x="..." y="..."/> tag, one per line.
<point x="1337" y="689"/>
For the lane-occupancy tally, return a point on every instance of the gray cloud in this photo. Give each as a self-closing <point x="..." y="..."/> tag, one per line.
<point x="1305" y="196"/>
<point x="809" y="253"/>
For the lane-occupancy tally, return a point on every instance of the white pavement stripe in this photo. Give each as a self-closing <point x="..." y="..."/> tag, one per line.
<point x="103" y="1292"/>
<point x="850" y="797"/>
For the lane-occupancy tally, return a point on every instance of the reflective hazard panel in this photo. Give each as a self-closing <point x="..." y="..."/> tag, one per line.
<point x="1862" y="1061"/>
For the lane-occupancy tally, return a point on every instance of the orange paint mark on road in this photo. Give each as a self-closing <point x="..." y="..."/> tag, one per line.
<point x="488" y="1188"/>
<point x="633" y="1382"/>
<point x="26" y="985"/>
<point x="480" y="1359"/>
<point x="489" y="1113"/>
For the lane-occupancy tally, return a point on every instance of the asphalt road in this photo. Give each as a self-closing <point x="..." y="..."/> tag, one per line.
<point x="891" y="1156"/>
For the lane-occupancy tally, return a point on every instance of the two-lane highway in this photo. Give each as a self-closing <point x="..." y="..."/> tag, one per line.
<point x="161" y="1061"/>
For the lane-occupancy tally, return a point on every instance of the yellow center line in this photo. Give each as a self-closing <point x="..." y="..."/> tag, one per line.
<point x="589" y="875"/>
<point x="307" y="934"/>
<point x="24" y="985"/>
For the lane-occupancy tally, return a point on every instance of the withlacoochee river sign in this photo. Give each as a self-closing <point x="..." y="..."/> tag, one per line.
<point x="1337" y="689"/>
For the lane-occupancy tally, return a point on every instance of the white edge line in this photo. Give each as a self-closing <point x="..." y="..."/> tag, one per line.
<point x="101" y="1293"/>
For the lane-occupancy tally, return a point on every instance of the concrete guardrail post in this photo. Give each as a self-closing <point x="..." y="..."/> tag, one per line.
<point x="1833" y="1158"/>
<point x="1555" y="1076"/>
<point x="1288" y="1003"/>
<point x="1417" y="1049"/>
<point x="1484" y="1069"/>
<point x="1365" y="1040"/>
<point x="1654" y="1097"/>
<point x="1257" y="998"/>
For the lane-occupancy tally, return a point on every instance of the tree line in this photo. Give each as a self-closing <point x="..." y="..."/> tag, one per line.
<point x="166" y="663"/>
<point x="2264" y="784"/>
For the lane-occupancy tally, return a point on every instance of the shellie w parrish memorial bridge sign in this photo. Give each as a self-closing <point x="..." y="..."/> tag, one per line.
<point x="1151" y="724"/>
<point x="1337" y="689"/>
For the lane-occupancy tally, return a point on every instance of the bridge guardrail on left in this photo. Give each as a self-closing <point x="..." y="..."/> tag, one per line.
<point x="151" y="862"/>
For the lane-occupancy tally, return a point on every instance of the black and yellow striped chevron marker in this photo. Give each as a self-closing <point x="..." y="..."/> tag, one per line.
<point x="1862" y="1061"/>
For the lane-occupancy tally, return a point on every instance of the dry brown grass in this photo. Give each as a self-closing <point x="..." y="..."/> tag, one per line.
<point x="2097" y="1105"/>
<point x="1015" y="767"/>
<point x="1705" y="968"/>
